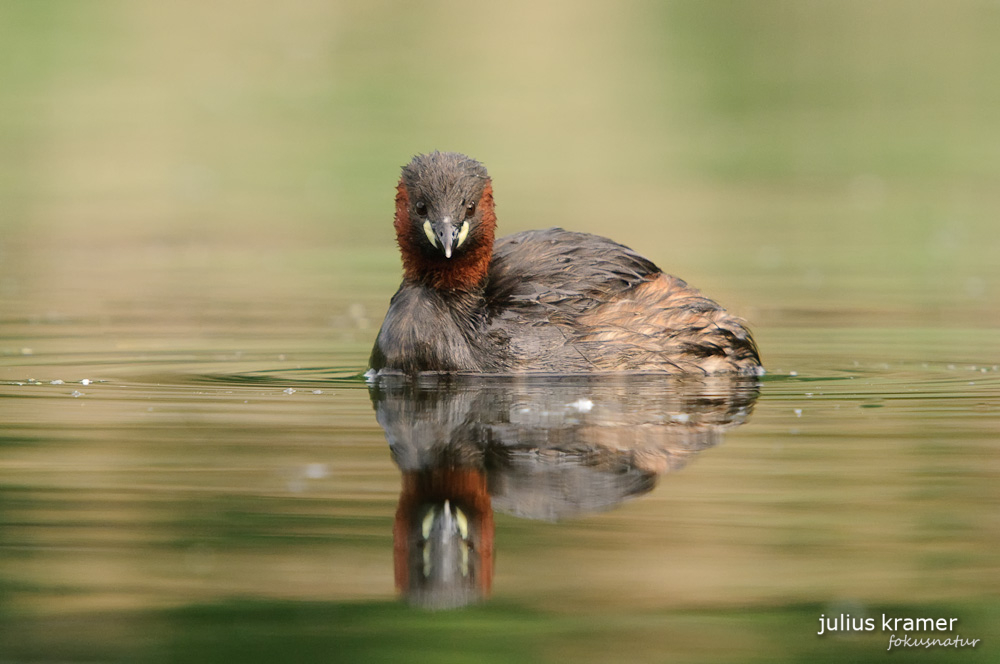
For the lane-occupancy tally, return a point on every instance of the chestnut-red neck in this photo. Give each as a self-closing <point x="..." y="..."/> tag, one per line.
<point x="464" y="271"/>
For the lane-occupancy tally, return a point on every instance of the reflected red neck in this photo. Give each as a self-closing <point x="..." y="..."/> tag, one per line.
<point x="468" y="487"/>
<point x="464" y="271"/>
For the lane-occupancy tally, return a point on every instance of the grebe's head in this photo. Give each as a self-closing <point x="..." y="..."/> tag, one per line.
<point x="445" y="219"/>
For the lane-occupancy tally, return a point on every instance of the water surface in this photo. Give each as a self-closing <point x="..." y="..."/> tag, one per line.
<point x="166" y="503"/>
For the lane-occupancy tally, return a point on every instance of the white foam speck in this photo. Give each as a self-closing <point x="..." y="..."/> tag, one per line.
<point x="582" y="405"/>
<point x="289" y="390"/>
<point x="316" y="471"/>
<point x="371" y="375"/>
<point x="75" y="393"/>
<point x="798" y="412"/>
<point x="85" y="381"/>
<point x="317" y="391"/>
<point x="57" y="382"/>
<point x="680" y="417"/>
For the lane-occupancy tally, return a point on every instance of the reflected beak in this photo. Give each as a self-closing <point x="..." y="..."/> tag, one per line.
<point x="449" y="518"/>
<point x="445" y="235"/>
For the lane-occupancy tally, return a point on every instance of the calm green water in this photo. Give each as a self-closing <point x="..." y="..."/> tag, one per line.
<point x="196" y="253"/>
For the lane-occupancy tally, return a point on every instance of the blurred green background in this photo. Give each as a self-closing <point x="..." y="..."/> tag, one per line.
<point x="184" y="178"/>
<point x="783" y="156"/>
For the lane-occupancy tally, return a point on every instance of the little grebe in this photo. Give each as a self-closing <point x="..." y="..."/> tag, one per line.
<point x="548" y="301"/>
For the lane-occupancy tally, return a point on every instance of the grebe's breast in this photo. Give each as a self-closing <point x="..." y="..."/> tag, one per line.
<point x="426" y="330"/>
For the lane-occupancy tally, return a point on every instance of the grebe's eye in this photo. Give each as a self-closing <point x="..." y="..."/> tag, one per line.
<point x="470" y="209"/>
<point x="421" y="208"/>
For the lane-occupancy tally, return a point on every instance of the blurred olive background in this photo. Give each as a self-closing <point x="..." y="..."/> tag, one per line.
<point x="847" y="152"/>
<point x="181" y="180"/>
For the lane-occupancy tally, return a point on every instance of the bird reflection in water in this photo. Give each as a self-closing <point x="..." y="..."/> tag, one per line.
<point x="536" y="448"/>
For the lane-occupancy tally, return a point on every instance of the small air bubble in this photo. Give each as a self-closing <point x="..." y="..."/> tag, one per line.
<point x="798" y="412"/>
<point x="317" y="392"/>
<point x="56" y="382"/>
<point x="289" y="390"/>
<point x="85" y="381"/>
<point x="76" y="393"/>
